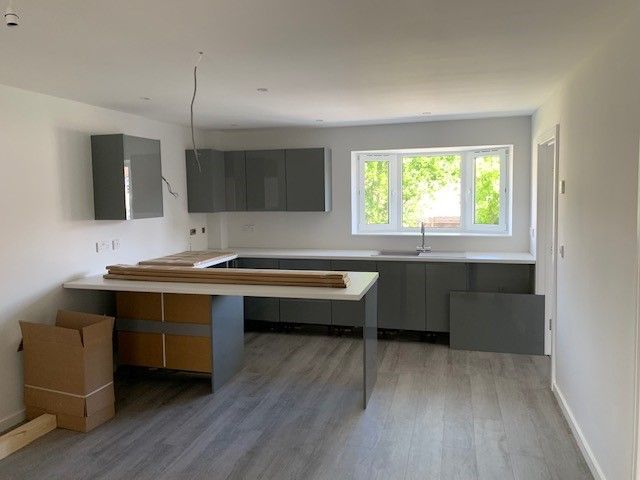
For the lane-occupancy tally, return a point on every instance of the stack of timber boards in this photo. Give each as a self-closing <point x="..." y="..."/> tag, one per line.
<point x="238" y="276"/>
<point x="198" y="259"/>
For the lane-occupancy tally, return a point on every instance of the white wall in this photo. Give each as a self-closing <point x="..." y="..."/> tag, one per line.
<point x="333" y="229"/>
<point x="47" y="234"/>
<point x="598" y="109"/>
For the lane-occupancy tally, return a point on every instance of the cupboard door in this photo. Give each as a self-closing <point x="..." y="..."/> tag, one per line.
<point x="235" y="187"/>
<point x="266" y="180"/>
<point x="308" y="179"/>
<point x="402" y="295"/>
<point x="442" y="278"/>
<point x="205" y="184"/>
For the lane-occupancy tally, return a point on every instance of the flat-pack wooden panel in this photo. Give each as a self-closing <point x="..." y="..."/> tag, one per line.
<point x="186" y="308"/>
<point x="140" y="349"/>
<point x="139" y="305"/>
<point x="188" y="353"/>
<point x="497" y="322"/>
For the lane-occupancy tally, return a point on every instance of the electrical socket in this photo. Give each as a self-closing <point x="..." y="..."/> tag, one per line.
<point x="192" y="231"/>
<point x="115" y="244"/>
<point x="103" y="246"/>
<point x="249" y="228"/>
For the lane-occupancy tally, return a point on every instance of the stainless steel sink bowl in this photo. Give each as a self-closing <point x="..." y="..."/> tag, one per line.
<point x="413" y="253"/>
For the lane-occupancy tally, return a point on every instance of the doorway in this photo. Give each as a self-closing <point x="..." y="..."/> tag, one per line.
<point x="546" y="247"/>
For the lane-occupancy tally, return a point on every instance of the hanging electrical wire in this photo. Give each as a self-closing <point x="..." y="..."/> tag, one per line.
<point x="175" y="194"/>
<point x="193" y="99"/>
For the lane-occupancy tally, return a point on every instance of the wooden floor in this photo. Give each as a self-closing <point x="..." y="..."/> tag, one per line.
<point x="295" y="413"/>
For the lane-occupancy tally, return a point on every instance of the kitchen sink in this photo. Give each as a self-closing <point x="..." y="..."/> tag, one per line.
<point x="413" y="253"/>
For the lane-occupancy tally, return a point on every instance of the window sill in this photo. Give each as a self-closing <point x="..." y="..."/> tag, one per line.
<point x="433" y="234"/>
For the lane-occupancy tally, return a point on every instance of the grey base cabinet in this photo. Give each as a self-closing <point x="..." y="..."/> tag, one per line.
<point x="259" y="308"/>
<point x="441" y="280"/>
<point x="349" y="314"/>
<point x="402" y="295"/>
<point x="316" y="312"/>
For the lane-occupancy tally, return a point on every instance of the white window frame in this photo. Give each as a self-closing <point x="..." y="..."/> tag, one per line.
<point x="467" y="173"/>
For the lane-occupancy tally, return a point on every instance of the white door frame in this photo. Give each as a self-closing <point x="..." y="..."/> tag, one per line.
<point x="636" y="436"/>
<point x="550" y="258"/>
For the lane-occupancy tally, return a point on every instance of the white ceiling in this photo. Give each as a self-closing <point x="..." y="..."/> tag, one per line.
<point x="346" y="62"/>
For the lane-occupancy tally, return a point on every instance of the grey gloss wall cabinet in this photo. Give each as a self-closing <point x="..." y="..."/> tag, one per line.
<point x="218" y="184"/>
<point x="266" y="180"/>
<point x="127" y="177"/>
<point x="308" y="179"/>
<point x="206" y="181"/>
<point x="296" y="180"/>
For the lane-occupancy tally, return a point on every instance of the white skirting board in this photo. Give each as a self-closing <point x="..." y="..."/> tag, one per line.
<point x="587" y="453"/>
<point x="12" y="420"/>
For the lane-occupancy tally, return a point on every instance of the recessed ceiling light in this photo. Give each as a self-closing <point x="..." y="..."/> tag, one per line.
<point x="426" y="113"/>
<point x="319" y="120"/>
<point x="262" y="90"/>
<point x="146" y="99"/>
<point x="235" y="125"/>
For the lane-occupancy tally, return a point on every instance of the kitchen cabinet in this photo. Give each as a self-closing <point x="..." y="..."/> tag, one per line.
<point x="349" y="314"/>
<point x="218" y="184"/>
<point x="206" y="183"/>
<point x="402" y="295"/>
<point x="127" y="177"/>
<point x="308" y="179"/>
<point x="501" y="278"/>
<point x="441" y="279"/>
<point x="305" y="311"/>
<point x="258" y="308"/>
<point x="266" y="180"/>
<point x="235" y="178"/>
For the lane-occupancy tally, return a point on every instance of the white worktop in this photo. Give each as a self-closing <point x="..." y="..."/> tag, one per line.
<point x="359" y="285"/>
<point x="462" y="257"/>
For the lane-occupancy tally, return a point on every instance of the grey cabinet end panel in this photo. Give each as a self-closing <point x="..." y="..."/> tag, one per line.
<point x="497" y="322"/>
<point x="107" y="157"/>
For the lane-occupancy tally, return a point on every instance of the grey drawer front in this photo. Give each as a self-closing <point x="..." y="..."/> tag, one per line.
<point x="497" y="322"/>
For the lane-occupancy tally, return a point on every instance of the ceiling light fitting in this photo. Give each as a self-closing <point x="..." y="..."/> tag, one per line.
<point x="11" y="18"/>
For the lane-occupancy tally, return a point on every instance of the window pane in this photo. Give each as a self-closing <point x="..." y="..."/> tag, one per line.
<point x="431" y="191"/>
<point x="487" y="190"/>
<point x="376" y="192"/>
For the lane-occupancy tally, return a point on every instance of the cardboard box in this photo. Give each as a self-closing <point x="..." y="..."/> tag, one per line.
<point x="68" y="369"/>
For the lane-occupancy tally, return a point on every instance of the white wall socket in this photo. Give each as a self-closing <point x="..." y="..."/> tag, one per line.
<point x="249" y="228"/>
<point x="115" y="244"/>
<point x="103" y="246"/>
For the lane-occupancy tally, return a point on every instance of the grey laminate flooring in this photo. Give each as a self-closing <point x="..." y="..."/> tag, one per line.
<point x="295" y="413"/>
